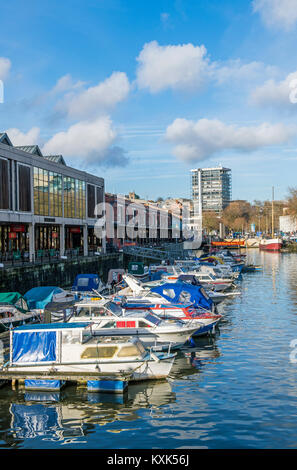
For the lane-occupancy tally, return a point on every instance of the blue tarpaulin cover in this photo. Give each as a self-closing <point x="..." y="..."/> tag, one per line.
<point x="86" y="282"/>
<point x="184" y="292"/>
<point x="44" y="384"/>
<point x="34" y="346"/>
<point x="39" y="297"/>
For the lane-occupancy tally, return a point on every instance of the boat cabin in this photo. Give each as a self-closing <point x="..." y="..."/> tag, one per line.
<point x="70" y="343"/>
<point x="107" y="314"/>
<point x="87" y="284"/>
<point x="90" y="310"/>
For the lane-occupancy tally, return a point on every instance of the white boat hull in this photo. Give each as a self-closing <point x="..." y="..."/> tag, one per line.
<point x="139" y="370"/>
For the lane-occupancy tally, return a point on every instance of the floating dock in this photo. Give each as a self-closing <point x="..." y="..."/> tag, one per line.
<point x="55" y="381"/>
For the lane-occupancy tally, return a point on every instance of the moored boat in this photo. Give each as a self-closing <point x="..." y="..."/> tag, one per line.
<point x="271" y="244"/>
<point x="72" y="348"/>
<point x="110" y="319"/>
<point x="14" y="311"/>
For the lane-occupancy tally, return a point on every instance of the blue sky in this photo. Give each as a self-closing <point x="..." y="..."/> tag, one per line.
<point x="141" y="92"/>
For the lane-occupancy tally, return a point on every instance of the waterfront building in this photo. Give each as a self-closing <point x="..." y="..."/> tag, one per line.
<point x="287" y="224"/>
<point x="46" y="207"/>
<point x="134" y="221"/>
<point x="211" y="188"/>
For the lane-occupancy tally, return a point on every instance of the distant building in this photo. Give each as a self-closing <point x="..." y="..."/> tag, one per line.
<point x="287" y="224"/>
<point x="211" y="188"/>
<point x="131" y="220"/>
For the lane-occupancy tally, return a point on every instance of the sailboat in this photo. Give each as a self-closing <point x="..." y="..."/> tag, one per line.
<point x="271" y="244"/>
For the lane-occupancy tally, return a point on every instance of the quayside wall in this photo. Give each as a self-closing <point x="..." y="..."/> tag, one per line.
<point x="61" y="273"/>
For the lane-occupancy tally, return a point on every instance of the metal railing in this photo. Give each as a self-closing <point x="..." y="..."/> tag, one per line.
<point x="17" y="258"/>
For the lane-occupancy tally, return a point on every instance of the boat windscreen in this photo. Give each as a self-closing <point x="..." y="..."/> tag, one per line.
<point x="153" y="319"/>
<point x="114" y="308"/>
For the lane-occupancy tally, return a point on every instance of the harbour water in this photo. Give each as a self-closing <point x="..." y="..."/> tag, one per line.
<point x="236" y="390"/>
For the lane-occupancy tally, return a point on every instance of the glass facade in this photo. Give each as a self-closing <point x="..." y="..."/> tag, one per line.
<point x="55" y="195"/>
<point x="41" y="196"/>
<point x="69" y="196"/>
<point x="50" y="189"/>
<point x="80" y="197"/>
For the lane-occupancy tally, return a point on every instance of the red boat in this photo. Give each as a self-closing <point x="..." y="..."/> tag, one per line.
<point x="231" y="244"/>
<point x="271" y="244"/>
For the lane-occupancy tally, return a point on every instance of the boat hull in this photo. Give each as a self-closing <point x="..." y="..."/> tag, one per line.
<point x="270" y="245"/>
<point x="139" y="370"/>
<point x="150" y="338"/>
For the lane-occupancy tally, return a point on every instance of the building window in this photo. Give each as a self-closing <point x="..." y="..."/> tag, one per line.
<point x="80" y="199"/>
<point x="91" y="201"/>
<point x="41" y="191"/>
<point x="4" y="185"/>
<point x="99" y="193"/>
<point x="69" y="197"/>
<point x="24" y="188"/>
<point x="55" y="194"/>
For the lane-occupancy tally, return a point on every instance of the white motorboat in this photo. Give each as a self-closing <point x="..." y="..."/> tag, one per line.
<point x="109" y="318"/>
<point x="221" y="271"/>
<point x="73" y="348"/>
<point x="136" y="289"/>
<point x="207" y="280"/>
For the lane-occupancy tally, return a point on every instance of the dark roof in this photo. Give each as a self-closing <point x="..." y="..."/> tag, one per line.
<point x="56" y="159"/>
<point x="33" y="149"/>
<point x="4" y="139"/>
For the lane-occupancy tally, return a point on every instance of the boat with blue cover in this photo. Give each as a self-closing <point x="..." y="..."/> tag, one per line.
<point x="86" y="285"/>
<point x="73" y="348"/>
<point x="14" y="311"/>
<point x="38" y="297"/>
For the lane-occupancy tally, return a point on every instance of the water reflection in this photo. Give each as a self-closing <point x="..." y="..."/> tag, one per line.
<point x="70" y="415"/>
<point x="190" y="361"/>
<point x="74" y="412"/>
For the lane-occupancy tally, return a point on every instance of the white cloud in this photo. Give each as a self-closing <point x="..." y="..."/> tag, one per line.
<point x="66" y="83"/>
<point x="277" y="13"/>
<point x="22" y="138"/>
<point x="5" y="65"/>
<point x="276" y="94"/>
<point x="196" y="141"/>
<point x="236" y="70"/>
<point x="88" y="142"/>
<point x="187" y="67"/>
<point x="178" y="67"/>
<point x="96" y="100"/>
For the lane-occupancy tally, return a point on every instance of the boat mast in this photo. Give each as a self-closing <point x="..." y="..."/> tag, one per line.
<point x="272" y="213"/>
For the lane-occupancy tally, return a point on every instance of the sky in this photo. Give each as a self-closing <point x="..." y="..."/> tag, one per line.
<point x="141" y="92"/>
